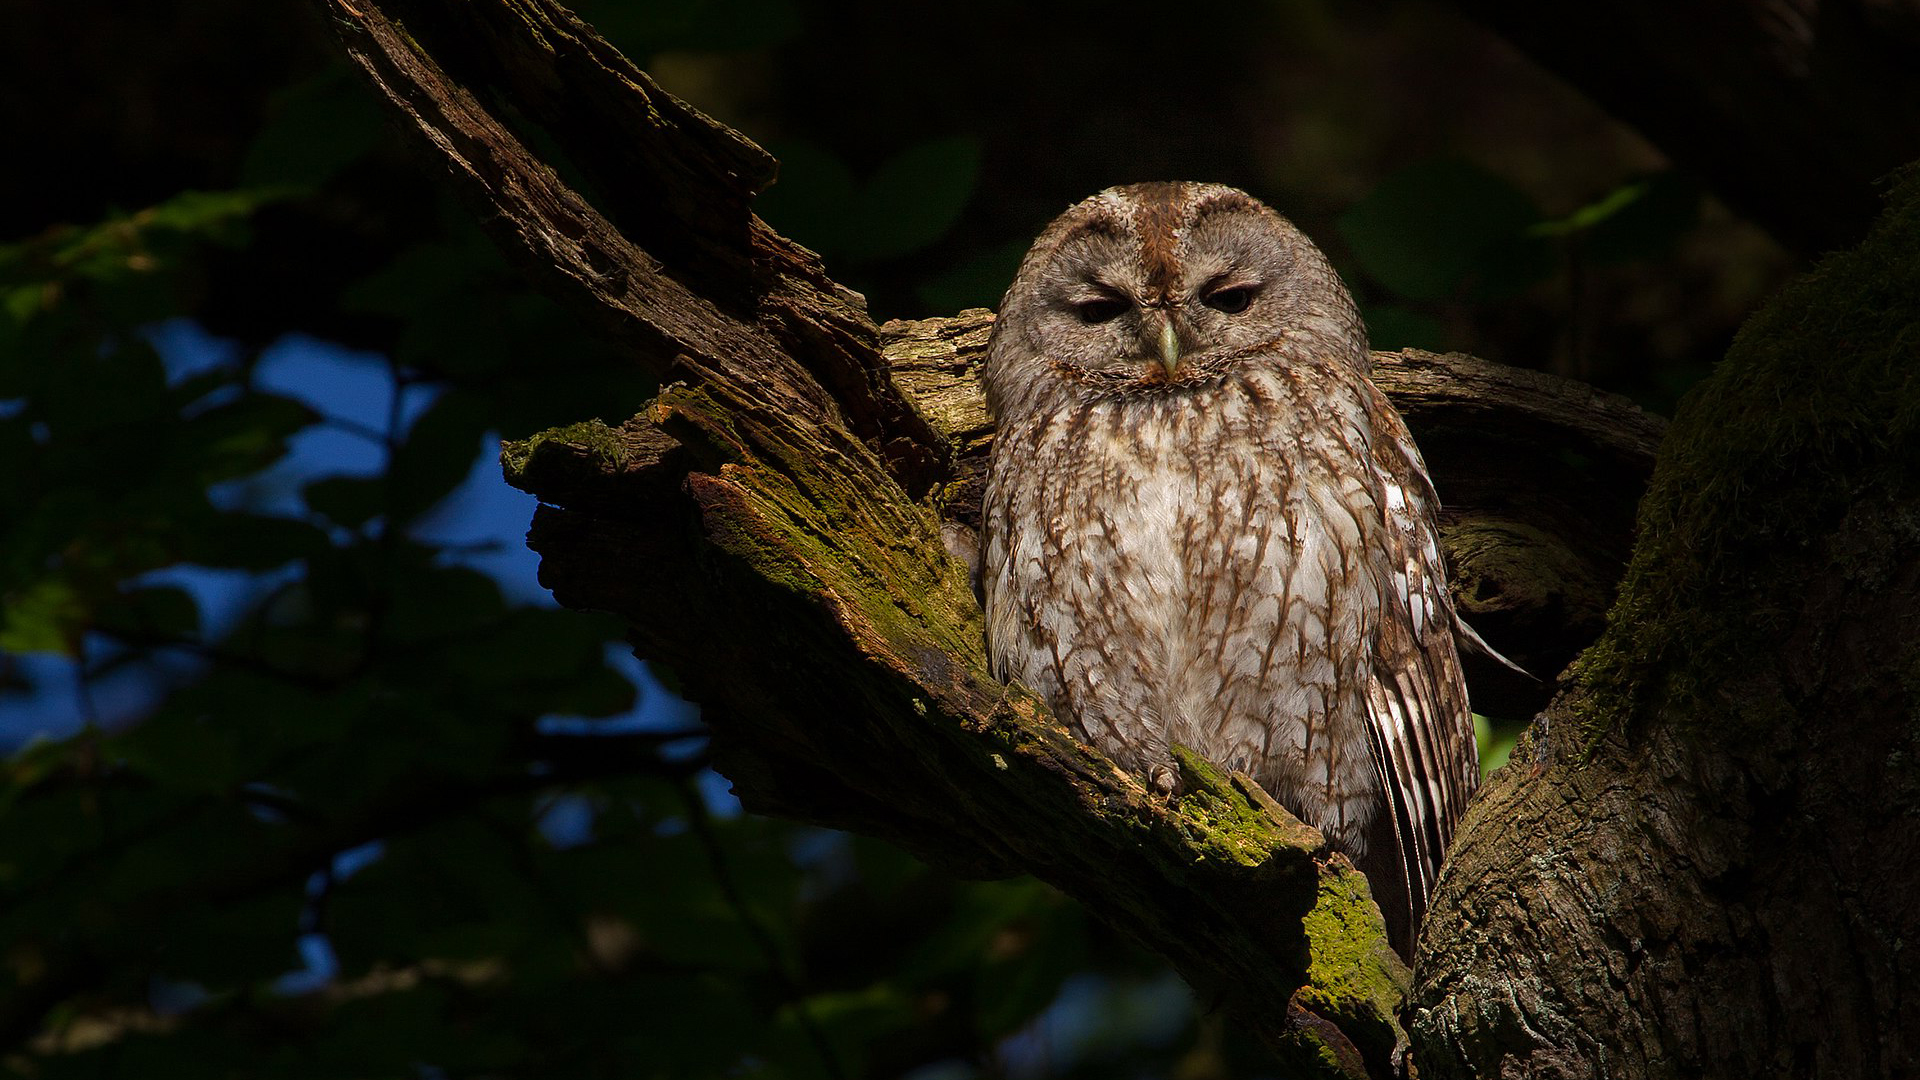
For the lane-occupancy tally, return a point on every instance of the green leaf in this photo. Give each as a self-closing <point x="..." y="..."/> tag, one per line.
<point x="1652" y="225"/>
<point x="1391" y="326"/>
<point x="241" y="437"/>
<point x="432" y="603"/>
<point x="601" y="691"/>
<point x="851" y="1021"/>
<point x="1427" y="230"/>
<point x="419" y="276"/>
<point x="211" y="213"/>
<point x="438" y="454"/>
<point x="979" y="280"/>
<point x="540" y="660"/>
<point x="17" y="446"/>
<point x="703" y="1026"/>
<point x="813" y="199"/>
<point x="1496" y="744"/>
<point x="183" y="748"/>
<point x="112" y="384"/>
<point x="318" y="127"/>
<point x="258" y="542"/>
<point x="165" y="612"/>
<point x="1640" y="219"/>
<point x="1594" y="212"/>
<point x="348" y="501"/>
<point x="911" y="200"/>
<point x="1511" y="266"/>
<point x="1017" y="986"/>
<point x="46" y="616"/>
<point x="452" y="890"/>
<point x="22" y="302"/>
<point x="248" y="940"/>
<point x="915" y="197"/>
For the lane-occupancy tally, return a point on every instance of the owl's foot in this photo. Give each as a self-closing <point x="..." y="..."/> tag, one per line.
<point x="1163" y="780"/>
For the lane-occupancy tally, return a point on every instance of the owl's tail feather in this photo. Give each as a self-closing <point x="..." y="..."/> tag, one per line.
<point x="1385" y="866"/>
<point x="1469" y="637"/>
<point x="1400" y="855"/>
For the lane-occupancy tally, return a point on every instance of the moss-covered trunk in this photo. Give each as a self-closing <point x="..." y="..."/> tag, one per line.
<point x="1709" y="863"/>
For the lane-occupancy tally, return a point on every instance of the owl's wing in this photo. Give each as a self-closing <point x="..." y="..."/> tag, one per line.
<point x="1420" y="729"/>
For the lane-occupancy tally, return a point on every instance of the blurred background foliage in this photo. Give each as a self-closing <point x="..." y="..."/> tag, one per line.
<point x="305" y="775"/>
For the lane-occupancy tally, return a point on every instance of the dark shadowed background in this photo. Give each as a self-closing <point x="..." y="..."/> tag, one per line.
<point x="306" y="776"/>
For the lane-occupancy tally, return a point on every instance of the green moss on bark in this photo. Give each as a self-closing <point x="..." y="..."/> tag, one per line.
<point x="1816" y="406"/>
<point x="593" y="436"/>
<point x="1351" y="959"/>
<point x="1241" y="823"/>
<point x="1354" y="978"/>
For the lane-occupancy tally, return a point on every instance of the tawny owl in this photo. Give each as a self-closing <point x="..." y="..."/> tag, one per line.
<point x="1203" y="525"/>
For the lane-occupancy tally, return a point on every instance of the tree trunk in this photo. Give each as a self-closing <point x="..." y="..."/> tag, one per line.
<point x="776" y="526"/>
<point x="1707" y="865"/>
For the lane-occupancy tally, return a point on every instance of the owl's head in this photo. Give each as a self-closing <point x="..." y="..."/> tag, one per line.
<point x="1160" y="288"/>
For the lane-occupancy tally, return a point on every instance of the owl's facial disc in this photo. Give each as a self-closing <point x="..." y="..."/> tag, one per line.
<point x="1160" y="291"/>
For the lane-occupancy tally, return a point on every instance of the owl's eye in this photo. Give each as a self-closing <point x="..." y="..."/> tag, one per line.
<point x="1104" y="309"/>
<point x="1232" y="301"/>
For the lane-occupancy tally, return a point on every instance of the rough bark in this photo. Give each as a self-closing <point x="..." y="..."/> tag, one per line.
<point x="1708" y="869"/>
<point x="775" y="525"/>
<point x="1792" y="110"/>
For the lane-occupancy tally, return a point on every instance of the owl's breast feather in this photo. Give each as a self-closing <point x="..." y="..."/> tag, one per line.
<point x="1166" y="577"/>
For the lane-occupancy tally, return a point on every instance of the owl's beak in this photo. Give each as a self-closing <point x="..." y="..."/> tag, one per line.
<point x="1168" y="341"/>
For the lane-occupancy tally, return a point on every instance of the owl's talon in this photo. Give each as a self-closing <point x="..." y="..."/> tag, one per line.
<point x="1163" y="780"/>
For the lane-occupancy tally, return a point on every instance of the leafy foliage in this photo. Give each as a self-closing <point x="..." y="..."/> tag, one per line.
<point x="908" y="202"/>
<point x="1448" y="231"/>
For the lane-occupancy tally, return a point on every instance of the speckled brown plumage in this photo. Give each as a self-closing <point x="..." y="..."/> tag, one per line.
<point x="1204" y="526"/>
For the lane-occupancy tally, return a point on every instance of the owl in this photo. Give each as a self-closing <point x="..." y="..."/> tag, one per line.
<point x="1203" y="525"/>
